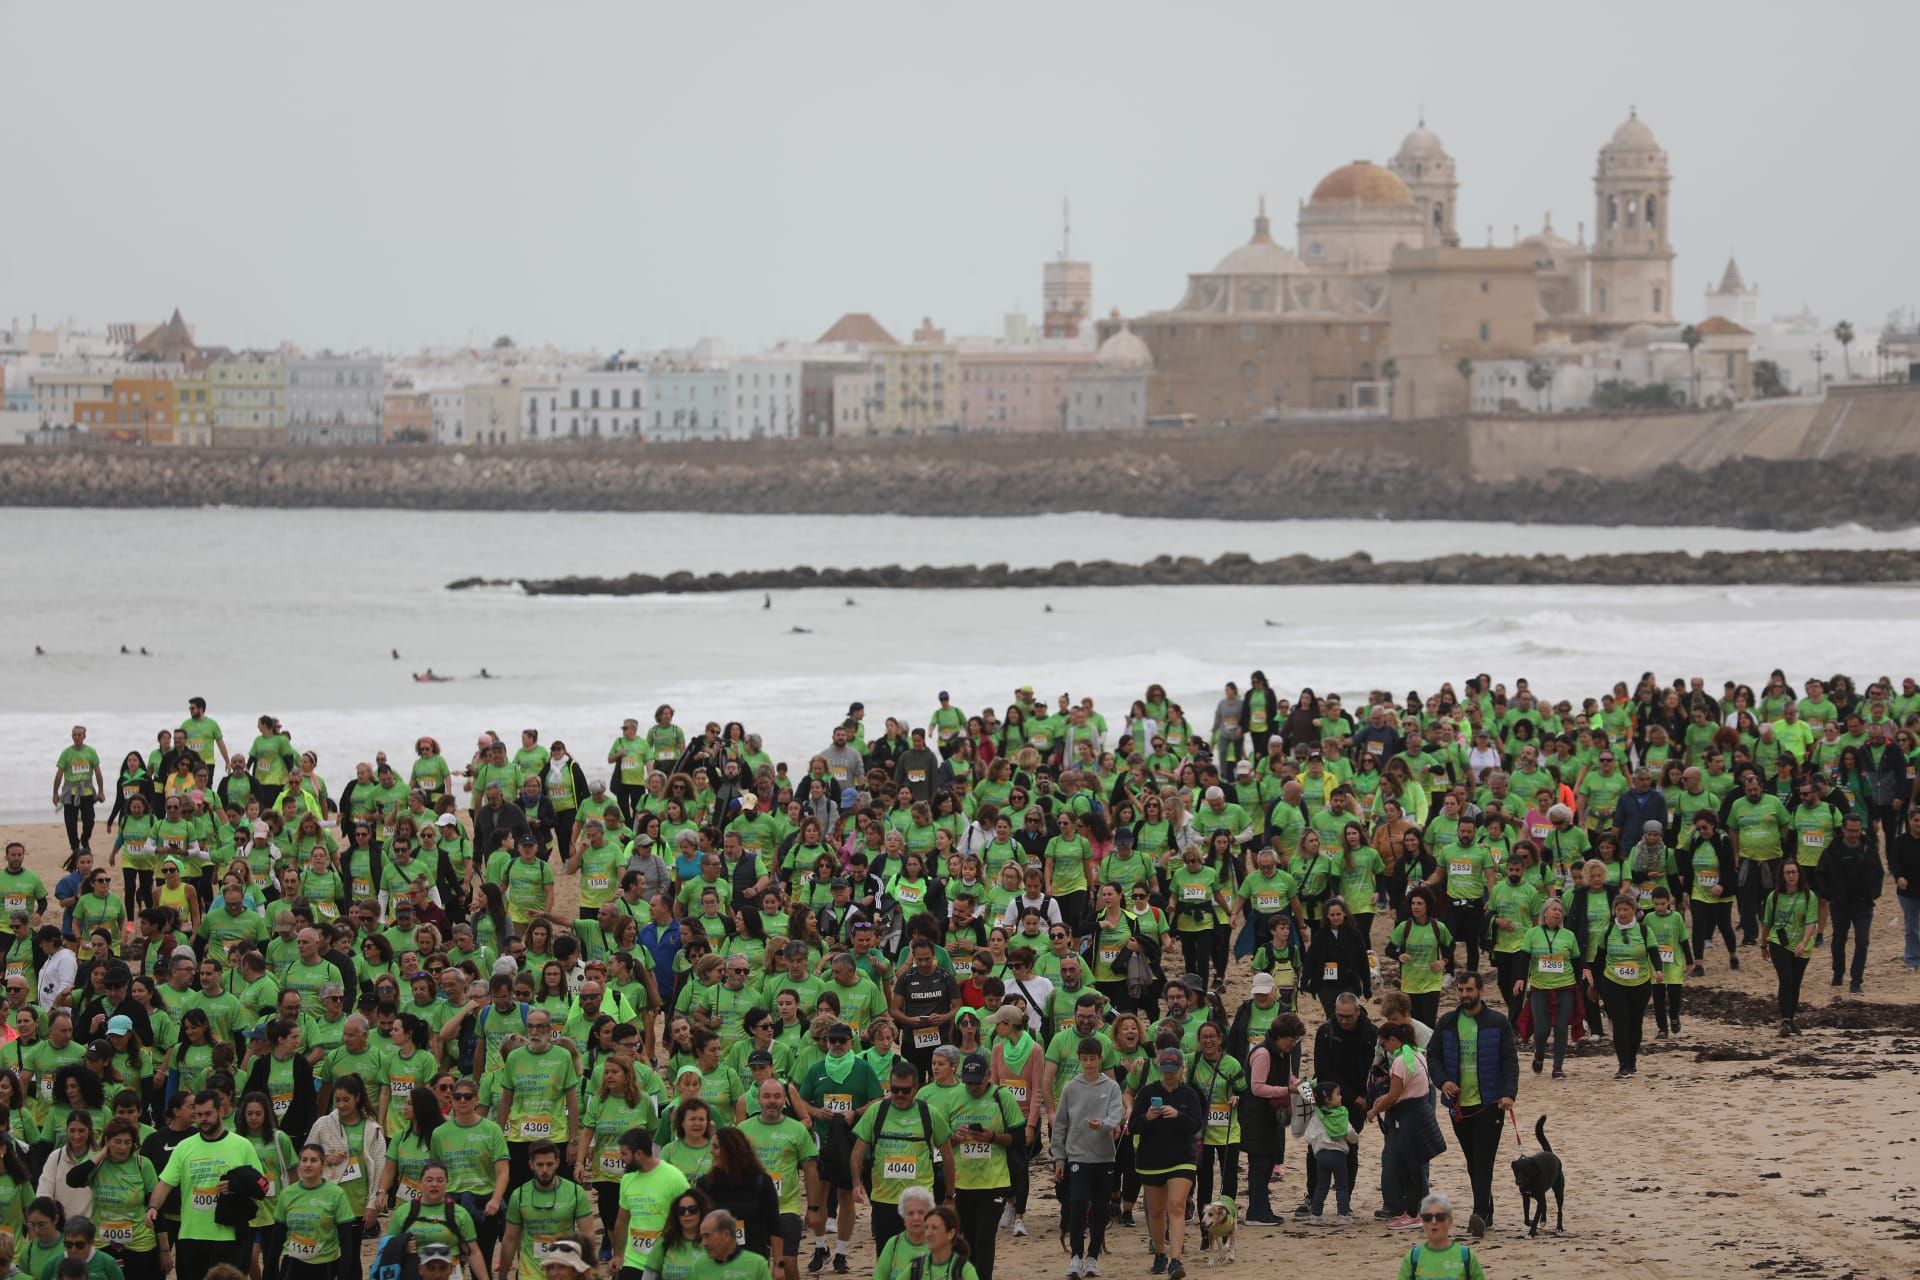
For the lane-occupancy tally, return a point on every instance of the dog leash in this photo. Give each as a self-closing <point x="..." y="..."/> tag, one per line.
<point x="1516" y="1132"/>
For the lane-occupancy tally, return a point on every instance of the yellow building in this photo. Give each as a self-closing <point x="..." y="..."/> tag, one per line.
<point x="916" y="386"/>
<point x="248" y="399"/>
<point x="193" y="409"/>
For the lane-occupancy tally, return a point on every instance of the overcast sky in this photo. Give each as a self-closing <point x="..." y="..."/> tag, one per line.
<point x="381" y="174"/>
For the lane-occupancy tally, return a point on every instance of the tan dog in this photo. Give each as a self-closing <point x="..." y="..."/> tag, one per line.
<point x="1217" y="1223"/>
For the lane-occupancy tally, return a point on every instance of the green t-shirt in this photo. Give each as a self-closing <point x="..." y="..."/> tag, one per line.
<point x="545" y="1214"/>
<point x="120" y="1194"/>
<point x="1759" y="826"/>
<point x="1469" y="1028"/>
<point x="1455" y="1262"/>
<point x="982" y="1165"/>
<point x="606" y="1119"/>
<point x="1551" y="957"/>
<point x="540" y="1083"/>
<point x="471" y="1153"/>
<point x="1514" y="908"/>
<point x="783" y="1148"/>
<point x="445" y="1223"/>
<point x="1668" y="932"/>
<point x="314" y="1218"/>
<point x="743" y="1265"/>
<point x="1629" y="955"/>
<point x="1191" y="891"/>
<point x="902" y="1147"/>
<point x="77" y="765"/>
<point x="1419" y="946"/>
<point x="899" y="1254"/>
<point x="646" y="1199"/>
<point x="196" y="1168"/>
<point x="1220" y="1084"/>
<point x="1467" y="867"/>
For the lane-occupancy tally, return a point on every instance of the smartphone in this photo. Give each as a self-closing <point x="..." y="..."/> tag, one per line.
<point x="1158" y="1102"/>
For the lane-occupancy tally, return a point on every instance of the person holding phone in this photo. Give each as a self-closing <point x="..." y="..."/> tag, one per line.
<point x="1168" y="1116"/>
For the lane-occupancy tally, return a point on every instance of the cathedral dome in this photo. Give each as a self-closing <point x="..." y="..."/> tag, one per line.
<point x="1260" y="256"/>
<point x="1633" y="135"/>
<point x="1124" y="352"/>
<point x="1422" y="144"/>
<point x="1362" y="182"/>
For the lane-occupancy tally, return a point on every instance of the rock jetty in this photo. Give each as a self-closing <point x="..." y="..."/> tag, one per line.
<point x="1646" y="569"/>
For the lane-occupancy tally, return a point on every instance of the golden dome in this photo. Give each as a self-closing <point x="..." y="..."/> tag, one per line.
<point x="1362" y="182"/>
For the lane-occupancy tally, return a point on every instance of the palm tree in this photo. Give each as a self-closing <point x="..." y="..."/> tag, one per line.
<point x="1843" y="334"/>
<point x="1691" y="336"/>
<point x="1465" y="368"/>
<point x="1540" y="378"/>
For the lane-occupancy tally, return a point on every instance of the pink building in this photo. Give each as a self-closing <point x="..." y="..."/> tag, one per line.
<point x="1018" y="387"/>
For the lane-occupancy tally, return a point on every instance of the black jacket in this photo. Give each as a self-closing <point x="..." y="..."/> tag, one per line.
<point x="1345" y="948"/>
<point x="1723" y="851"/>
<point x="300" y="1112"/>
<point x="1903" y="863"/>
<point x="754" y="1204"/>
<point x="1849" y="875"/>
<point x="1164" y="1143"/>
<point x="1346" y="1056"/>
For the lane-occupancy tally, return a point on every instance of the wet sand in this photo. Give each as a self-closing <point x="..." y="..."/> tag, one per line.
<point x="1734" y="1154"/>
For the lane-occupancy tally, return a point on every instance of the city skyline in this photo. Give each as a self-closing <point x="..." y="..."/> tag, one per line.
<point x="446" y="173"/>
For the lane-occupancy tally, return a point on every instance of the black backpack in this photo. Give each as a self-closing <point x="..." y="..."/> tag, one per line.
<point x="880" y="1131"/>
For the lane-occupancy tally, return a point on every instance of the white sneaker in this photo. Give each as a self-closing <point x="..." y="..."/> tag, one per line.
<point x="1316" y="1220"/>
<point x="1073" y="1267"/>
<point x="1019" y="1227"/>
<point x="1006" y="1217"/>
<point x="1090" y="1267"/>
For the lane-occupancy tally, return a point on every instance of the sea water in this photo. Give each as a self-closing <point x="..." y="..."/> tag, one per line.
<point x="297" y="613"/>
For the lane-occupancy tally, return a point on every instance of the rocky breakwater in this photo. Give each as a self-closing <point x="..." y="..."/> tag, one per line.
<point x="1648" y="569"/>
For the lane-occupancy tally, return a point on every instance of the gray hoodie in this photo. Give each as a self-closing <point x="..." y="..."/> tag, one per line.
<point x="1073" y="1137"/>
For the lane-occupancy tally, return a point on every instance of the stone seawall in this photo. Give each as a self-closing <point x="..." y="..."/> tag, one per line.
<point x="1386" y="470"/>
<point x="1801" y="568"/>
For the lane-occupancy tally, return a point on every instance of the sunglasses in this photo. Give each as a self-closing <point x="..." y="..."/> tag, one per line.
<point x="465" y="1097"/>
<point x="900" y="1090"/>
<point x="684" y="1209"/>
<point x="1435" y="1217"/>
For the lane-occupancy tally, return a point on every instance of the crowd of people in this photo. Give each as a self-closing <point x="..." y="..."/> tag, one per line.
<point x="930" y="972"/>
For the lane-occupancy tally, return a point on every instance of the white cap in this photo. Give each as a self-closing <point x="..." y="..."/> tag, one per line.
<point x="1262" y="983"/>
<point x="446" y="820"/>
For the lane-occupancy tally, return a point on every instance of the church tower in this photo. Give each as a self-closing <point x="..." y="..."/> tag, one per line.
<point x="1424" y="165"/>
<point x="1631" y="266"/>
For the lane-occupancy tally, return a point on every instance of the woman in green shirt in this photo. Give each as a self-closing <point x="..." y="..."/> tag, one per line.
<point x="619" y="1105"/>
<point x="279" y="1162"/>
<point x="677" y="1250"/>
<point x="1553" y="958"/>
<point x="315" y="1215"/>
<point x="691" y="1151"/>
<point x="1628" y="966"/>
<point x="1065" y="863"/>
<point x="1424" y="947"/>
<point x="16" y="1193"/>
<point x="1220" y="1079"/>
<point x="1789" y="917"/>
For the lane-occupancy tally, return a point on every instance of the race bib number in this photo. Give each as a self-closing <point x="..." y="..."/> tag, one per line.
<point x="1709" y="879"/>
<point x="1666" y="954"/>
<point x="19" y="902"/>
<point x="1266" y="901"/>
<point x="1813" y="839"/>
<point x="839" y="1104"/>
<point x="963" y="967"/>
<point x="926" y="1038"/>
<point x="1109" y="956"/>
<point x="916" y="775"/>
<point x="1376" y="748"/>
<point x="1460" y="867"/>
<point x="1553" y="964"/>
<point x="599" y="882"/>
<point x="299" y="1246"/>
<point x="204" y="1200"/>
<point x="900" y="1168"/>
<point x="1193" y="893"/>
<point x="1218" y="1116"/>
<point x="1627" y="971"/>
<point x="350" y="1171"/>
<point x="1330" y="972"/>
<point x="534" y="1128"/>
<point x="408" y="1191"/>
<point x="400" y="1089"/>
<point x="975" y="1150"/>
<point x="1540" y="832"/>
<point x="778" y="1182"/>
<point x="116" y="1232"/>
<point x="641" y="1241"/>
<point x="613" y="1164"/>
<point x="1018" y="1088"/>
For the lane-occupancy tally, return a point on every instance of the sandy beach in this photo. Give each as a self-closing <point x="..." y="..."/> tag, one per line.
<point x="1733" y="1154"/>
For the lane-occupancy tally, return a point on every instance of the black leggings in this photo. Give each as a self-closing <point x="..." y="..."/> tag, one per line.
<point x="139" y="887"/>
<point x="1466" y="921"/>
<point x="1666" y="1004"/>
<point x="607" y="1196"/>
<point x="1086" y="1208"/>
<point x="78" y="815"/>
<point x="1510" y="968"/>
<point x="1426" y="1006"/>
<point x="1627" y="1008"/>
<point x="1196" y="953"/>
<point x="1227" y="1155"/>
<point x="1790" y="969"/>
<point x="1709" y="917"/>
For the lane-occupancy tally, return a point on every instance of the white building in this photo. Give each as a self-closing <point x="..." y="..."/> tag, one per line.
<point x="606" y="404"/>
<point x="767" y="393"/>
<point x="853" y="403"/>
<point x="1113" y="393"/>
<point x="449" y="406"/>
<point x="334" y="399"/>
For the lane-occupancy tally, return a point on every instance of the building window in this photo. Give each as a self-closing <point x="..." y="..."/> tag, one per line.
<point x="1613" y="212"/>
<point x="1652" y="223"/>
<point x="1249" y="370"/>
<point x="1602" y="308"/>
<point x="1656" y="299"/>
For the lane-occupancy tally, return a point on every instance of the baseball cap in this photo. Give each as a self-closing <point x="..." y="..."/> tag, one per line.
<point x="1170" y="1060"/>
<point x="528" y="842"/>
<point x="446" y="820"/>
<point x="566" y="1252"/>
<point x="119" y="1025"/>
<point x="944" y="695"/>
<point x="1123" y="835"/>
<point x="436" y="1253"/>
<point x="839" y="1031"/>
<point x="100" y="1049"/>
<point x="1262" y="983"/>
<point x="1191" y="983"/>
<point x="1010" y="1014"/>
<point x="749" y="801"/>
<point x="973" y="1070"/>
<point x="1244" y="769"/>
<point x="759" y="1058"/>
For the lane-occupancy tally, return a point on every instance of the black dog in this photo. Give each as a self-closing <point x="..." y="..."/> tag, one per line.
<point x="1537" y="1175"/>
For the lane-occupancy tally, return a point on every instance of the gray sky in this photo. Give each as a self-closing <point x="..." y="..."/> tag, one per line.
<point x="386" y="174"/>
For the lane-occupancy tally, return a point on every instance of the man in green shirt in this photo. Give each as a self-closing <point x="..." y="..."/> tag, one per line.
<point x="726" y="1258"/>
<point x="903" y="1134"/>
<point x="1760" y="827"/>
<point x="539" y="1094"/>
<point x="785" y="1149"/>
<point x="198" y="1169"/>
<point x="201" y="734"/>
<point x="77" y="785"/>
<point x="541" y="1212"/>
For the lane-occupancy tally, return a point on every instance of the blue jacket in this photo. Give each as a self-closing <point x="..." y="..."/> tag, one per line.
<point x="1495" y="1054"/>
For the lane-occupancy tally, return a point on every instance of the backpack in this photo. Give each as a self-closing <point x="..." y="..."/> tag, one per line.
<point x="880" y="1131"/>
<point x="1466" y="1260"/>
<point x="397" y="1258"/>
